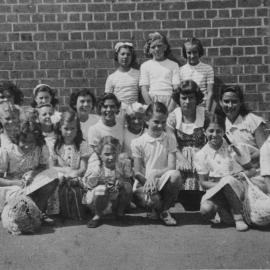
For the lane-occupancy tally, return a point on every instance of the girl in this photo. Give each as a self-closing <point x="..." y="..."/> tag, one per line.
<point x="135" y="124"/>
<point x="124" y="82"/>
<point x="155" y="151"/>
<point x="159" y="76"/>
<point x="43" y="94"/>
<point x="69" y="157"/>
<point x="187" y="122"/>
<point x="83" y="102"/>
<point x="219" y="167"/>
<point x="109" y="124"/>
<point x="11" y="93"/>
<point x="21" y="162"/>
<point x="110" y="184"/>
<point x="242" y="126"/>
<point x="197" y="71"/>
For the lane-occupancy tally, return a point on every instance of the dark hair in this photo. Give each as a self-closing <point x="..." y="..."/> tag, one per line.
<point x="31" y="127"/>
<point x="155" y="107"/>
<point x="193" y="41"/>
<point x="110" y="141"/>
<point x="45" y="88"/>
<point x="68" y="116"/>
<point x="243" y="111"/>
<point x="105" y="97"/>
<point x="133" y="63"/>
<point x="214" y="118"/>
<point x="13" y="90"/>
<point x="81" y="93"/>
<point x="188" y="87"/>
<point x="151" y="38"/>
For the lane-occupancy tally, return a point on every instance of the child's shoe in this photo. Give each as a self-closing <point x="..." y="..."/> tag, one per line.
<point x="94" y="223"/>
<point x="167" y="219"/>
<point x="46" y="220"/>
<point x="240" y="225"/>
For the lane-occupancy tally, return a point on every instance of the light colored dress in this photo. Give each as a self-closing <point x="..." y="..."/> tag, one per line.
<point x="92" y="120"/>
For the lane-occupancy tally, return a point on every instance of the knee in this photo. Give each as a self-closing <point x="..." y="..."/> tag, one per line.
<point x="175" y="178"/>
<point x="208" y="209"/>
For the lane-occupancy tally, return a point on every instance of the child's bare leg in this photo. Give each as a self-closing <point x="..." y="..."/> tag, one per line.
<point x="124" y="199"/>
<point x="208" y="209"/>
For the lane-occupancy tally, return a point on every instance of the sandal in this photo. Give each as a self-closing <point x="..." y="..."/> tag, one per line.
<point x="241" y="225"/>
<point x="46" y="220"/>
<point x="167" y="219"/>
<point x="94" y="223"/>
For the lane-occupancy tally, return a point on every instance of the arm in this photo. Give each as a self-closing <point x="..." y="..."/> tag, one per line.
<point x="171" y="165"/>
<point x="210" y="95"/>
<point x="145" y="94"/>
<point x="9" y="182"/>
<point x="267" y="182"/>
<point x="138" y="170"/>
<point x="260" y="135"/>
<point x="203" y="179"/>
<point x="249" y="170"/>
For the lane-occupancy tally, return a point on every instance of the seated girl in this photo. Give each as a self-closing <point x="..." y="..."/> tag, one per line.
<point x="109" y="186"/>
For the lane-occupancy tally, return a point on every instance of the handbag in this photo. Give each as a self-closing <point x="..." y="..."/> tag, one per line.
<point x="256" y="205"/>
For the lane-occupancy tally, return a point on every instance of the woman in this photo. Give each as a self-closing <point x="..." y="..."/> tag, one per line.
<point x="242" y="127"/>
<point x="187" y="122"/>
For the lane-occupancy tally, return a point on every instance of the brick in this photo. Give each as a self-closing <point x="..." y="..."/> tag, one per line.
<point x="123" y="7"/>
<point x="37" y="18"/>
<point x="225" y="70"/>
<point x="250" y="60"/>
<point x="77" y="73"/>
<point x="50" y="36"/>
<point x="253" y="97"/>
<point x="226" y="32"/>
<point x="224" y="13"/>
<point x="237" y="13"/>
<point x="212" y="51"/>
<point x="228" y="79"/>
<point x="63" y="36"/>
<point x="24" y="8"/>
<point x="12" y="37"/>
<point x="210" y="14"/>
<point x="25" y="46"/>
<point x="98" y="26"/>
<point x="249" y="32"/>
<point x="99" y="45"/>
<point x="12" y="18"/>
<point x="24" y="27"/>
<point x="76" y="36"/>
<point x="249" y="22"/>
<point x="53" y="73"/>
<point x="99" y="17"/>
<point x="74" y="8"/>
<point x="111" y="17"/>
<point x="76" y="64"/>
<point x="224" y="23"/>
<point x="28" y="74"/>
<point x="249" y="41"/>
<point x="125" y="35"/>
<point x="87" y="17"/>
<point x="224" y="61"/>
<point x="2" y="18"/>
<point x="173" y="6"/>
<point x="15" y="75"/>
<point x="28" y="56"/>
<point x="40" y="55"/>
<point x="199" y="14"/>
<point x="262" y="50"/>
<point x="74" y="45"/>
<point x="47" y="46"/>
<point x="212" y="32"/>
<point x="26" y="65"/>
<point x="5" y="9"/>
<point x="6" y="65"/>
<point x="77" y="55"/>
<point x="99" y="7"/>
<point x="74" y="26"/>
<point x="112" y="35"/>
<point x="88" y="36"/>
<point x="149" y="25"/>
<point x="198" y="23"/>
<point x="148" y="6"/>
<point x="138" y="15"/>
<point x="262" y="12"/>
<point x="49" y="27"/>
<point x="238" y="51"/>
<point x="76" y="83"/>
<point x="263" y="69"/>
<point x="237" y="32"/>
<point x="5" y="27"/>
<point x="4" y="75"/>
<point x="249" y="69"/>
<point x="225" y="51"/>
<point x="15" y="56"/>
<point x="248" y="3"/>
<point x="186" y="14"/>
<point x="49" y="8"/>
<point x="250" y="78"/>
<point x="173" y="24"/>
<point x="200" y="33"/>
<point x="224" y="41"/>
<point x="150" y="16"/>
<point x="75" y="17"/>
<point x="4" y="56"/>
<point x="50" y="18"/>
<point x="51" y="64"/>
<point x="224" y="4"/>
<point x="249" y="13"/>
<point x="126" y="25"/>
<point x="188" y="33"/>
<point x="26" y="37"/>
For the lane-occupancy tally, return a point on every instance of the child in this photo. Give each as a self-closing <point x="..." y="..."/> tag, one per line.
<point x="159" y="76"/>
<point x="218" y="167"/>
<point x="69" y="157"/>
<point x="21" y="162"/>
<point x="155" y="151"/>
<point x="135" y="124"/>
<point x="109" y="186"/>
<point x="83" y="102"/>
<point x="265" y="163"/>
<point x="197" y="71"/>
<point x="43" y="94"/>
<point x="124" y="82"/>
<point x="109" y="124"/>
<point x="11" y="93"/>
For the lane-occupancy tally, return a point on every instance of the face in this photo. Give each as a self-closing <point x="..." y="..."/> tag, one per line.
<point x="69" y="131"/>
<point x="43" y="98"/>
<point x="6" y="96"/>
<point x="28" y="143"/>
<point x="214" y="134"/>
<point x="108" y="112"/>
<point x="188" y="102"/>
<point x="44" y="115"/>
<point x="230" y="104"/>
<point x="108" y="156"/>
<point x="84" y="105"/>
<point x="124" y="57"/>
<point x="157" y="124"/>
<point x="157" y="49"/>
<point x="192" y="52"/>
<point x="135" y="122"/>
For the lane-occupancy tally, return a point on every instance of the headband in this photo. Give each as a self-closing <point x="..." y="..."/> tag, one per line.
<point x="120" y="44"/>
<point x="38" y="86"/>
<point x="136" y="108"/>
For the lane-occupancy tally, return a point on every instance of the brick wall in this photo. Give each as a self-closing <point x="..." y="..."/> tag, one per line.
<point x="68" y="43"/>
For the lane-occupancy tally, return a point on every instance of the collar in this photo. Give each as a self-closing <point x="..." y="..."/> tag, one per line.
<point x="212" y="152"/>
<point x="148" y="138"/>
<point x="238" y="121"/>
<point x="191" y="66"/>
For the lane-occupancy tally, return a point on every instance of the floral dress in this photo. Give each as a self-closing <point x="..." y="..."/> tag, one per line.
<point x="190" y="138"/>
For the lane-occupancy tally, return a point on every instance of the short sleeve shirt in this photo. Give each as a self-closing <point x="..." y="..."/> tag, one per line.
<point x="265" y="158"/>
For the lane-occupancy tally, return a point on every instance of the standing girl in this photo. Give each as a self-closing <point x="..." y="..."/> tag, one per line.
<point x="124" y="82"/>
<point x="219" y="167"/>
<point x="159" y="76"/>
<point x="109" y="186"/>
<point x="155" y="151"/>
<point x="197" y="71"/>
<point x="43" y="94"/>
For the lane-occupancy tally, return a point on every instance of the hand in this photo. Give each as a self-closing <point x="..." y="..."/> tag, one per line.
<point x="28" y="178"/>
<point x="184" y="164"/>
<point x="150" y="185"/>
<point x="71" y="174"/>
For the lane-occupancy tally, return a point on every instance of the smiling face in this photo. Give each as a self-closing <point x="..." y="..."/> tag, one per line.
<point x="188" y="102"/>
<point x="135" y="122"/>
<point x="27" y="143"/>
<point x="192" y="52"/>
<point x="214" y="134"/>
<point x="84" y="105"/>
<point x="108" y="112"/>
<point x="44" y="115"/>
<point x="43" y="97"/>
<point x="158" y="49"/>
<point x="69" y="131"/>
<point x="230" y="104"/>
<point x="108" y="156"/>
<point x="157" y="124"/>
<point x="124" y="57"/>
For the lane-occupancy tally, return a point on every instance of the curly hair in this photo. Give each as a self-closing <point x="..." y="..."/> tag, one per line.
<point x="188" y="87"/>
<point x="153" y="37"/>
<point x="109" y="140"/>
<point x="67" y="117"/>
<point x="105" y="97"/>
<point x="44" y="88"/>
<point x="193" y="41"/>
<point x="13" y="90"/>
<point x="81" y="93"/>
<point x="133" y="63"/>
<point x="31" y="127"/>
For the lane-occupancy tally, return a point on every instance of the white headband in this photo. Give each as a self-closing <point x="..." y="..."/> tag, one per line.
<point x="38" y="86"/>
<point x="120" y="44"/>
<point x="136" y="108"/>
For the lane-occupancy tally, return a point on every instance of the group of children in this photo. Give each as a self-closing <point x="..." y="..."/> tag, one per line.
<point x="127" y="153"/>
